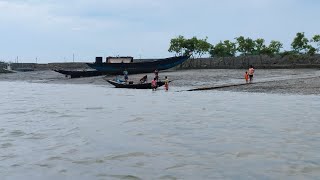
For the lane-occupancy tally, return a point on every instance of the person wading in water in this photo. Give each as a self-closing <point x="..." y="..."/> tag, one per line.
<point x="251" y="72"/>
<point x="154" y="84"/>
<point x="246" y="77"/>
<point x="166" y="83"/>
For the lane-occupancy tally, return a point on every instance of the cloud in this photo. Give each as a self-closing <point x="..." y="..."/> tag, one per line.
<point x="55" y="28"/>
<point x="44" y="16"/>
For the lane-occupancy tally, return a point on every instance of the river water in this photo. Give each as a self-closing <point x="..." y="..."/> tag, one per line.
<point x="87" y="131"/>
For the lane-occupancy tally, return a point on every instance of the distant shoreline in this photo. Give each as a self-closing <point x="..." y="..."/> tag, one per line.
<point x="241" y="62"/>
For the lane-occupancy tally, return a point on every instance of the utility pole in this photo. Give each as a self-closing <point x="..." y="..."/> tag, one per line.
<point x="73" y="57"/>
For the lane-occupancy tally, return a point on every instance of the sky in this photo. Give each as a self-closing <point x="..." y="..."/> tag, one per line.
<point x="45" y="31"/>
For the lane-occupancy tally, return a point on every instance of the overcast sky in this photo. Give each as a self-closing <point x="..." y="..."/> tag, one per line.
<point x="53" y="30"/>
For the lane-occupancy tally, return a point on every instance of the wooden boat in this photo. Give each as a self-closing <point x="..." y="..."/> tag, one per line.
<point x="78" y="74"/>
<point x="133" y="86"/>
<point x="8" y="69"/>
<point x="116" y="65"/>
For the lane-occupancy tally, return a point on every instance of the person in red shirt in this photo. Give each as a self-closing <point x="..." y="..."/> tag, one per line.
<point x="154" y="84"/>
<point x="246" y="77"/>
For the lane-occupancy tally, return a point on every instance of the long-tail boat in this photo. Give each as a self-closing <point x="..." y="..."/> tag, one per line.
<point x="133" y="85"/>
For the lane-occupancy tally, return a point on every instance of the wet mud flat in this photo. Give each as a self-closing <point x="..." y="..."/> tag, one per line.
<point x="283" y="81"/>
<point x="303" y="86"/>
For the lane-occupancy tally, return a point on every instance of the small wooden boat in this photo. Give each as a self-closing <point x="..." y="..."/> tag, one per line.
<point x="133" y="86"/>
<point x="79" y="73"/>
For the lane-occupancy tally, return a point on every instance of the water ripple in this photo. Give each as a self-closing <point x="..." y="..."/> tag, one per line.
<point x="6" y="145"/>
<point x="138" y="119"/>
<point x="168" y="177"/>
<point x="121" y="177"/>
<point x="36" y="136"/>
<point x="123" y="134"/>
<point x="127" y="155"/>
<point x="17" y="133"/>
<point x="9" y="156"/>
<point x="94" y="108"/>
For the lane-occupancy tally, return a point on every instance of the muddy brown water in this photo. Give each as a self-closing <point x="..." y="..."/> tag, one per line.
<point x="57" y="128"/>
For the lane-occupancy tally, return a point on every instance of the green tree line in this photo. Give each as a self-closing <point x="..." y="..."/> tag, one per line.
<point x="243" y="46"/>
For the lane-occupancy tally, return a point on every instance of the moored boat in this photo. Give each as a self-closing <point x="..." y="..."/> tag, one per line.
<point x="116" y="65"/>
<point x="8" y="69"/>
<point x="133" y="85"/>
<point x="79" y="73"/>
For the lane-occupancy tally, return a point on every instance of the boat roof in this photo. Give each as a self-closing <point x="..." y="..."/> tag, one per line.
<point x="122" y="59"/>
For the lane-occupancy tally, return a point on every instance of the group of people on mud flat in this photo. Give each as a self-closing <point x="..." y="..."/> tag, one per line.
<point x="248" y="76"/>
<point x="154" y="82"/>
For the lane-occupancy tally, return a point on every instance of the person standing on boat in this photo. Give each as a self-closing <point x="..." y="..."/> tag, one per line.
<point x="156" y="74"/>
<point x="251" y="72"/>
<point x="144" y="79"/>
<point x="125" y="73"/>
<point x="166" y="83"/>
<point x="154" y="84"/>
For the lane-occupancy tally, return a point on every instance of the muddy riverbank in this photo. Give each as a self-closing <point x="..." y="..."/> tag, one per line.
<point x="303" y="86"/>
<point x="283" y="81"/>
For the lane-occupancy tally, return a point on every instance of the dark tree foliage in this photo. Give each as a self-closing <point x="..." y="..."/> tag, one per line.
<point x="243" y="46"/>
<point x="246" y="46"/>
<point x="316" y="40"/>
<point x="274" y="47"/>
<point x="202" y="47"/>
<point x="223" y="49"/>
<point x="194" y="46"/>
<point x="260" y="47"/>
<point x="300" y="43"/>
<point x="177" y="45"/>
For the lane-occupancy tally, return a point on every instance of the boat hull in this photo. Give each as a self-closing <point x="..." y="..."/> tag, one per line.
<point x="138" y="67"/>
<point x="78" y="74"/>
<point x="134" y="86"/>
